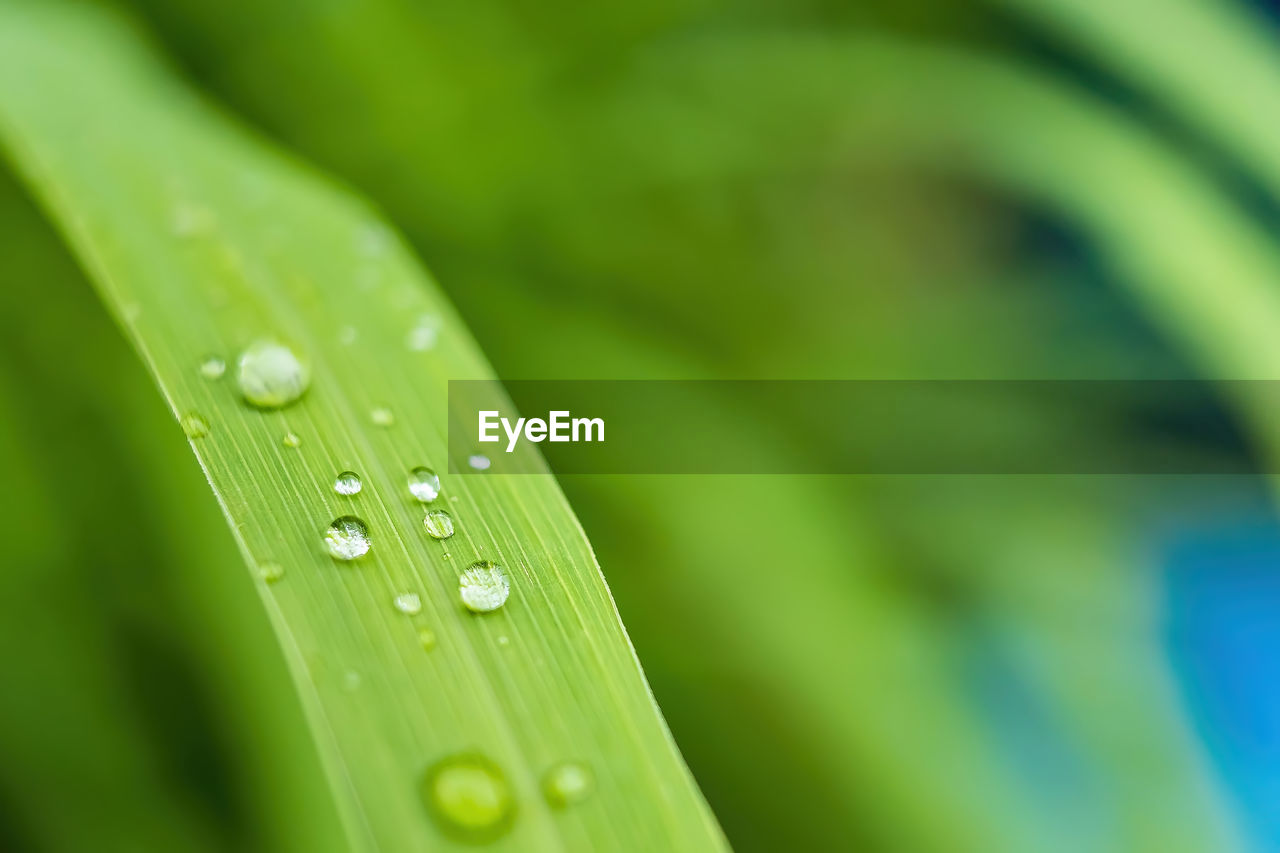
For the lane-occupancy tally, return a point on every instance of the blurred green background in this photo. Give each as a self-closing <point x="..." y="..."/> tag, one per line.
<point x="702" y="189"/>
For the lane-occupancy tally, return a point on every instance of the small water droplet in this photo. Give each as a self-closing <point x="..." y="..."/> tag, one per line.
<point x="194" y="425"/>
<point x="424" y="333"/>
<point x="213" y="367"/>
<point x="374" y="239"/>
<point x="271" y="375"/>
<point x="424" y="484"/>
<point x="568" y="783"/>
<point x="479" y="461"/>
<point x="427" y="638"/>
<point x="439" y="524"/>
<point x="382" y="416"/>
<point x="291" y="439"/>
<point x="469" y="797"/>
<point x="504" y="640"/>
<point x="351" y="680"/>
<point x="271" y="572"/>
<point x="347" y="538"/>
<point x="409" y="602"/>
<point x="347" y="335"/>
<point x="348" y="483"/>
<point x="483" y="586"/>
<point x="191" y="220"/>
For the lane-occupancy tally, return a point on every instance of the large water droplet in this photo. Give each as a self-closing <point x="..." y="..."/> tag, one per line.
<point x="424" y="484"/>
<point x="194" y="425"/>
<point x="271" y="375"/>
<point x="439" y="524"/>
<point x="213" y="367"/>
<point x="347" y="538"/>
<point x="568" y="783"/>
<point x="483" y="586"/>
<point x="348" y="483"/>
<point x="408" y="602"/>
<point x="469" y="797"/>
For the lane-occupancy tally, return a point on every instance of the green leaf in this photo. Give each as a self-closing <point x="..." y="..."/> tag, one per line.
<point x="202" y="240"/>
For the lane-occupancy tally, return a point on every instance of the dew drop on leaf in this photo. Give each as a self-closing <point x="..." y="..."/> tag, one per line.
<point x="409" y="603"/>
<point x="427" y="639"/>
<point x="348" y="483"/>
<point x="439" y="524"/>
<point x="382" y="416"/>
<point x="291" y="439"/>
<point x="422" y="336"/>
<point x="469" y="797"/>
<point x="271" y="375"/>
<point x="567" y="783"/>
<point x="347" y="538"/>
<point x="424" y="484"/>
<point x="271" y="572"/>
<point x="191" y="220"/>
<point x="479" y="462"/>
<point x="213" y="367"/>
<point x="194" y="425"/>
<point x="483" y="586"/>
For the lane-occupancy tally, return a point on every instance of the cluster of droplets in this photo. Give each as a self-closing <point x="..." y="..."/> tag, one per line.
<point x="467" y="794"/>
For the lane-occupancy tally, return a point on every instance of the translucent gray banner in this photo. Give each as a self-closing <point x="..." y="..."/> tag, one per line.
<point x="860" y="427"/>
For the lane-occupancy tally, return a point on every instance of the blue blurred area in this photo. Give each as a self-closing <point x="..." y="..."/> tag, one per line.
<point x="1029" y="737"/>
<point x="1223" y="635"/>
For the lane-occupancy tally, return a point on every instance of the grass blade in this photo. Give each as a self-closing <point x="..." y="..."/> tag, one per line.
<point x="202" y="240"/>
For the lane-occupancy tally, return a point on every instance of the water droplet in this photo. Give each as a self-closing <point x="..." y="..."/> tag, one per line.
<point x="504" y="640"/>
<point x="568" y="783"/>
<point x="422" y="336"/>
<point x="213" y="367"/>
<point x="347" y="335"/>
<point x="382" y="416"/>
<point x="194" y="425"/>
<point x="409" y="602"/>
<point x="424" y="484"/>
<point x="351" y="680"/>
<point x="439" y="524"/>
<point x="479" y="461"/>
<point x="427" y="638"/>
<point x="347" y="538"/>
<point x="271" y="375"/>
<point x="191" y="220"/>
<point x="348" y="483"/>
<point x="374" y="239"/>
<point x="271" y="572"/>
<point x="469" y="797"/>
<point x="484" y="586"/>
<point x="291" y="439"/>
